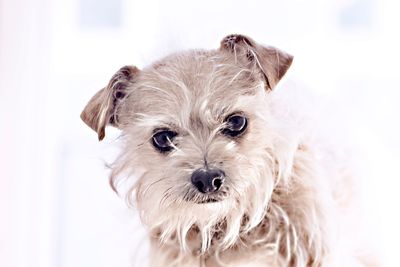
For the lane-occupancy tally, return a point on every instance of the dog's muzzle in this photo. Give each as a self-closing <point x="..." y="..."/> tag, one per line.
<point x="208" y="180"/>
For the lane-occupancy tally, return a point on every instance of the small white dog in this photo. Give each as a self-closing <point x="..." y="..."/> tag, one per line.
<point x="225" y="174"/>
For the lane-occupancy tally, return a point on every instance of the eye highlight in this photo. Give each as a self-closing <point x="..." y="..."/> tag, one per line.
<point x="236" y="124"/>
<point x="162" y="140"/>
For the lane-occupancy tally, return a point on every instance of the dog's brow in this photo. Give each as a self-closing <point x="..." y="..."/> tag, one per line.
<point x="154" y="121"/>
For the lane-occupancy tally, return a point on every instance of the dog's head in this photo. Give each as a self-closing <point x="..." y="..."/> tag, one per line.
<point x="199" y="128"/>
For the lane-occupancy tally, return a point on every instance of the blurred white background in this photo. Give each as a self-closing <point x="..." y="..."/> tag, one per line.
<point x="55" y="204"/>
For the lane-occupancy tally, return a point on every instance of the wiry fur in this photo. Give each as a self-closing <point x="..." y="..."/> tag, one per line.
<point x="278" y="201"/>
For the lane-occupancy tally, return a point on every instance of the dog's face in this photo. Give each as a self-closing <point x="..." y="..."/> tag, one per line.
<point x="199" y="135"/>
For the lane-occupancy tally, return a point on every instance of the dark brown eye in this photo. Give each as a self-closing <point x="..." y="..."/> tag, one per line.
<point x="236" y="124"/>
<point x="162" y="140"/>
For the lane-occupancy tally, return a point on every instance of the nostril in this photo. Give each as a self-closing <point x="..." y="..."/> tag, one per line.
<point x="199" y="180"/>
<point x="199" y="185"/>
<point x="217" y="182"/>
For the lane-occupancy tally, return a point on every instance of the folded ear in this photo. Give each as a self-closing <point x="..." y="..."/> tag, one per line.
<point x="102" y="107"/>
<point x="271" y="61"/>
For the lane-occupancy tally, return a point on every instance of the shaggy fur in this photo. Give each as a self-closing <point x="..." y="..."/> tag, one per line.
<point x="280" y="204"/>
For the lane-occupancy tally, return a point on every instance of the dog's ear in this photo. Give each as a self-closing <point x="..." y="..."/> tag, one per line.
<point x="273" y="62"/>
<point x="102" y="107"/>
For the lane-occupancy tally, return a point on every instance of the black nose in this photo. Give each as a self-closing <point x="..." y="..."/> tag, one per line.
<point x="208" y="180"/>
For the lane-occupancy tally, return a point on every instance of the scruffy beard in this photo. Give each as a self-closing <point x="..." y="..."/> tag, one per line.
<point x="175" y="218"/>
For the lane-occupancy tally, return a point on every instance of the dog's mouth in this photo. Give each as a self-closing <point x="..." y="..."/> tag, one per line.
<point x="201" y="198"/>
<point x="209" y="200"/>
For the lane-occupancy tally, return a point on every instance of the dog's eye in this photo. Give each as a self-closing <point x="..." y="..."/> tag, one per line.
<point x="236" y="124"/>
<point x="162" y="140"/>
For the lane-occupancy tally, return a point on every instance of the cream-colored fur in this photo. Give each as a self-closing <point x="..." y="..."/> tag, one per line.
<point x="284" y="196"/>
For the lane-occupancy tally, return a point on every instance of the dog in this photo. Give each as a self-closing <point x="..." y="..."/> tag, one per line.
<point x="224" y="173"/>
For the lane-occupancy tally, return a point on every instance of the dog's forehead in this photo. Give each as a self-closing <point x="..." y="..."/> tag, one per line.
<point x="193" y="84"/>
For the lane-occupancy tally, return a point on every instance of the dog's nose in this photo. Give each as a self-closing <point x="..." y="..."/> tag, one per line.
<point x="208" y="180"/>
